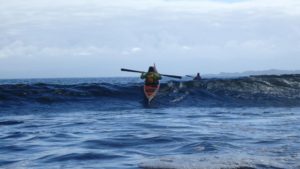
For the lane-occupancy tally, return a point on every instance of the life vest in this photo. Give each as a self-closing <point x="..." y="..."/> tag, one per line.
<point x="151" y="78"/>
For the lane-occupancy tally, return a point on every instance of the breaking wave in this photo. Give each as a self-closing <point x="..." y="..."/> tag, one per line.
<point x="268" y="90"/>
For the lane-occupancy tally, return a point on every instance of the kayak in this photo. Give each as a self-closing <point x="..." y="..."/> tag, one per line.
<point x="150" y="91"/>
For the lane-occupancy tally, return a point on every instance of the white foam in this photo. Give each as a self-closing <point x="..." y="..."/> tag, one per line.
<point x="228" y="161"/>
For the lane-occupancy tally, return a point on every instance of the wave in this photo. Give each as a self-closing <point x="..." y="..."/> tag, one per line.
<point x="265" y="90"/>
<point x="228" y="161"/>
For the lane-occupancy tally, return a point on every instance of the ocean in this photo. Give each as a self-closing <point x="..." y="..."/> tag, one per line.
<point x="237" y="123"/>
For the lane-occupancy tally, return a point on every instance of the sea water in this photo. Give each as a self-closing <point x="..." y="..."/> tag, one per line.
<point x="251" y="122"/>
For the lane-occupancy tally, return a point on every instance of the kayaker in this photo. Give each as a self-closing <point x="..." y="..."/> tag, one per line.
<point x="197" y="77"/>
<point x="151" y="77"/>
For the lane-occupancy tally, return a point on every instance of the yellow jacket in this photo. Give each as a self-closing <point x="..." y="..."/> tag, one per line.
<point x="151" y="78"/>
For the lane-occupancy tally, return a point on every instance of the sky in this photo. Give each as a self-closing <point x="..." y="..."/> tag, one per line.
<point x="95" y="38"/>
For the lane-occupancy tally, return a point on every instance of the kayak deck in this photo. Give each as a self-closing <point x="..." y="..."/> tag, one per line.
<point x="150" y="91"/>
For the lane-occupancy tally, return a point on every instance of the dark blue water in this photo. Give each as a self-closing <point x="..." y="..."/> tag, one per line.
<point x="251" y="122"/>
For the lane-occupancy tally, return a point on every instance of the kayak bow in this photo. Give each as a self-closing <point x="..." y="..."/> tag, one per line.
<point x="150" y="91"/>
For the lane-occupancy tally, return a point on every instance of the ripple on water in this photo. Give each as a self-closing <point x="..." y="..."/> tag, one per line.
<point x="7" y="162"/>
<point x="82" y="157"/>
<point x="225" y="161"/>
<point x="14" y="135"/>
<point x="10" y="122"/>
<point x="12" y="148"/>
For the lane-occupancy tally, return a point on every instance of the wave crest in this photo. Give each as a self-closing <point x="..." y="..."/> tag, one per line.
<point x="268" y="90"/>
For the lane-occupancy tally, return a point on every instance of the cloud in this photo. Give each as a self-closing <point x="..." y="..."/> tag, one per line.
<point x="19" y="50"/>
<point x="16" y="48"/>
<point x="250" y="45"/>
<point x="36" y="9"/>
<point x="134" y="32"/>
<point x="186" y="47"/>
<point x="131" y="51"/>
<point x="136" y="49"/>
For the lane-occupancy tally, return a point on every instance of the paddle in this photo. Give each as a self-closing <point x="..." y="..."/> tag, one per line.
<point x="137" y="71"/>
<point x="189" y="76"/>
<point x="129" y="70"/>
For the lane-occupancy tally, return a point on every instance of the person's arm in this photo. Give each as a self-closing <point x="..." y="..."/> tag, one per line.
<point x="143" y="75"/>
<point x="159" y="77"/>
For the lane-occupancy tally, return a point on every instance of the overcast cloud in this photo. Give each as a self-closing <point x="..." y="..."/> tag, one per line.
<point x="92" y="38"/>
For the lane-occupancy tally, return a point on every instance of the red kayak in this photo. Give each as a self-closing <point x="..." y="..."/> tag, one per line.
<point x="150" y="91"/>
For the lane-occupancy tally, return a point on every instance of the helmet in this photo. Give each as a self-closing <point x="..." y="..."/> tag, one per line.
<point x="151" y="69"/>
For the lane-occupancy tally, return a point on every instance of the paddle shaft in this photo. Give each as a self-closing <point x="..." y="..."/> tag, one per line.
<point x="137" y="71"/>
<point x="129" y="70"/>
